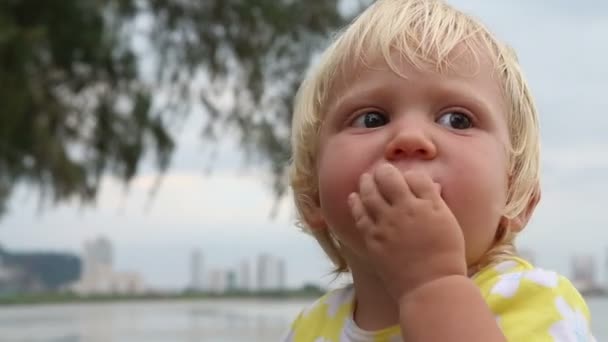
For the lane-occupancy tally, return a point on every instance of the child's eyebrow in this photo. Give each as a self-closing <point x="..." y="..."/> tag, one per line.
<point x="465" y="95"/>
<point x="460" y="92"/>
<point x="351" y="94"/>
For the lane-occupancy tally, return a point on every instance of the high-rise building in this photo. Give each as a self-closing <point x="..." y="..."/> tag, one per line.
<point x="196" y="270"/>
<point x="218" y="282"/>
<point x="98" y="276"/>
<point x="244" y="276"/>
<point x="262" y="271"/>
<point x="6" y="273"/>
<point x="97" y="256"/>
<point x="282" y="274"/>
<point x="606" y="272"/>
<point x="583" y="272"/>
<point x="271" y="273"/>
<point x="231" y="283"/>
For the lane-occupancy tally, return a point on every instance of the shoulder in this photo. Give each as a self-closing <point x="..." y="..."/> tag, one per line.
<point x="531" y="302"/>
<point x="325" y="317"/>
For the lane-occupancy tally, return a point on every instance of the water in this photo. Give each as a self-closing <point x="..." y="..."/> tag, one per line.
<point x="215" y="321"/>
<point x="599" y="314"/>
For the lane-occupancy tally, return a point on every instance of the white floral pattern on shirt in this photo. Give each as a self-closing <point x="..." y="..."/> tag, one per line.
<point x="514" y="290"/>
<point x="509" y="283"/>
<point x="574" y="326"/>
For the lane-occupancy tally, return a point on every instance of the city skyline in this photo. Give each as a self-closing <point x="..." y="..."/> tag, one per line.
<point x="262" y="272"/>
<point x="226" y="212"/>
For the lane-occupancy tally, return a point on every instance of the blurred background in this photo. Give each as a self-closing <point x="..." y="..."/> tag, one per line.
<point x="143" y="147"/>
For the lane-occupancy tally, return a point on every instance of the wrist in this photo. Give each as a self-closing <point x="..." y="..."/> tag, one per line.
<point x="442" y="287"/>
<point x="448" y="308"/>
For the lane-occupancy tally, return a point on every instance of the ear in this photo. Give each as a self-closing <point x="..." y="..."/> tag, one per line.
<point x="518" y="223"/>
<point x="314" y="218"/>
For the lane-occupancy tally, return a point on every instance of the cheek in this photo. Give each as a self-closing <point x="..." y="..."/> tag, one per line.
<point x="335" y="184"/>
<point x="477" y="196"/>
<point x="481" y="188"/>
<point x="333" y="189"/>
<point x="339" y="170"/>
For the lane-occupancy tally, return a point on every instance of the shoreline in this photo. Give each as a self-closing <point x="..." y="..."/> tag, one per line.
<point x="71" y="298"/>
<point x="57" y="298"/>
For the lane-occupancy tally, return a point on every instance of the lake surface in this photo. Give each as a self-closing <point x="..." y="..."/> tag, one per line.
<point x="150" y="321"/>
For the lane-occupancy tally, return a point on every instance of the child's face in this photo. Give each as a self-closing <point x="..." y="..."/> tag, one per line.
<point x="450" y="126"/>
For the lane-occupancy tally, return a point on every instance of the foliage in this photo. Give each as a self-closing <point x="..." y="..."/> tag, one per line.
<point x="253" y="53"/>
<point x="73" y="105"/>
<point x="79" y="102"/>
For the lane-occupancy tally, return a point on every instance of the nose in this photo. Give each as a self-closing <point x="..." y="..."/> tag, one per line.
<point x="411" y="141"/>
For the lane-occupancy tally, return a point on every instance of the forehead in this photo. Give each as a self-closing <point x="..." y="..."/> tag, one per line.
<point x="468" y="63"/>
<point x="467" y="58"/>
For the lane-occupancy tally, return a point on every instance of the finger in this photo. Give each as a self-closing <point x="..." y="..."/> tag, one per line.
<point x="370" y="197"/>
<point x="360" y="216"/>
<point x="422" y="186"/>
<point x="391" y="184"/>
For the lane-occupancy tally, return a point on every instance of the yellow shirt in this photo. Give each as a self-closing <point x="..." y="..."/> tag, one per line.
<point x="530" y="304"/>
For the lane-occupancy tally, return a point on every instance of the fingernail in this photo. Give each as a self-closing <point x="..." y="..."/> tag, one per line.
<point x="365" y="177"/>
<point x="385" y="166"/>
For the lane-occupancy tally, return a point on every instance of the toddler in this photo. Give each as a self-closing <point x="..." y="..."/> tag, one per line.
<point x="415" y="164"/>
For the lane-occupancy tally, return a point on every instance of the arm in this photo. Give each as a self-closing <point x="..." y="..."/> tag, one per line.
<point x="447" y="309"/>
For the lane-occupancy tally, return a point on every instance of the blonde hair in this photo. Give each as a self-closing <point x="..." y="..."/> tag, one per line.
<point x="424" y="33"/>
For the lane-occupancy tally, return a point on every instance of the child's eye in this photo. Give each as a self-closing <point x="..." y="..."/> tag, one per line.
<point x="370" y="120"/>
<point x="455" y="120"/>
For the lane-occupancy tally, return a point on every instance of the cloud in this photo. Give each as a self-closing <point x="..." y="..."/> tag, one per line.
<point x="562" y="48"/>
<point x="185" y="202"/>
<point x="226" y="215"/>
<point x="580" y="157"/>
<point x="222" y="198"/>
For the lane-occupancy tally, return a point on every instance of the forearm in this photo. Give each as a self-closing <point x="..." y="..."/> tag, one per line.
<point x="447" y="309"/>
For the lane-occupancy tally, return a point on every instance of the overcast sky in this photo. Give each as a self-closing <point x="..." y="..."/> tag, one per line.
<point x="561" y="45"/>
